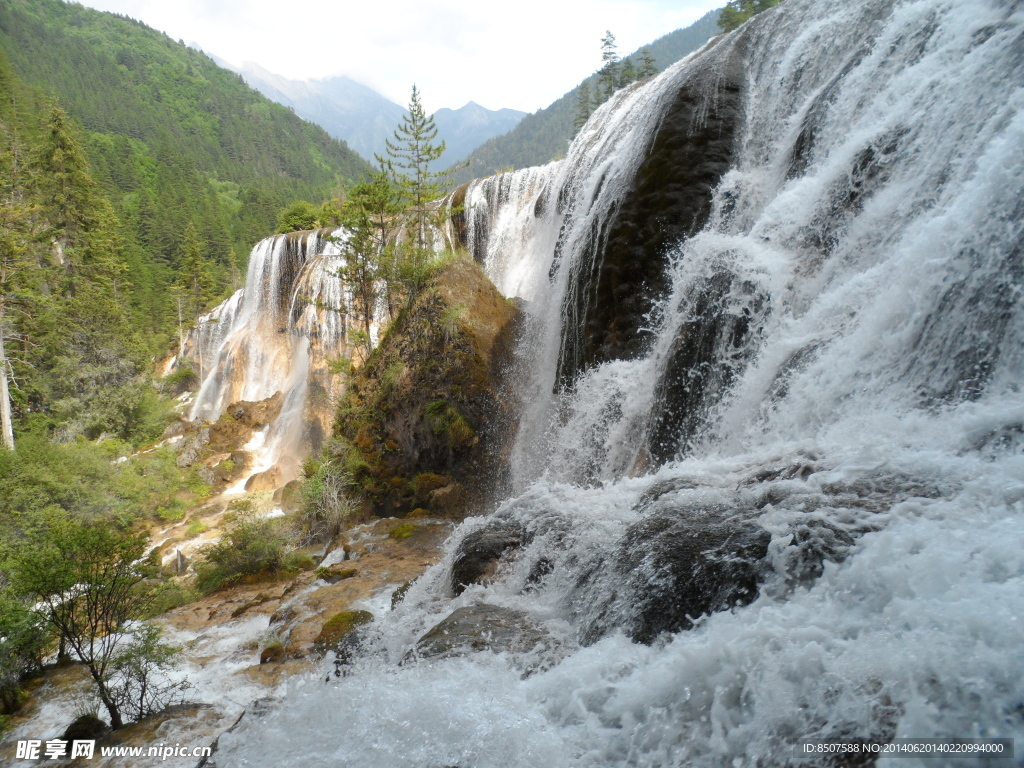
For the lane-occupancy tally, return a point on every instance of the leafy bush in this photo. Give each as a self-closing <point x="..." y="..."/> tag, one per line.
<point x="251" y="547"/>
<point x="140" y="683"/>
<point x="298" y="216"/>
<point x="326" y="508"/>
<point x="182" y="380"/>
<point x="23" y="640"/>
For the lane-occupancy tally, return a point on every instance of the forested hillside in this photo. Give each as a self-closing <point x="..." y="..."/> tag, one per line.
<point x="172" y="140"/>
<point x="545" y="135"/>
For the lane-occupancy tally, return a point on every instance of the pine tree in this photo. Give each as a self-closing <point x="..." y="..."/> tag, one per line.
<point x="627" y="73"/>
<point x="410" y="157"/>
<point x="608" y="77"/>
<point x="194" y="277"/>
<point x="583" y="107"/>
<point x="648" y="67"/>
<point x="18" y="271"/>
<point x="738" y="11"/>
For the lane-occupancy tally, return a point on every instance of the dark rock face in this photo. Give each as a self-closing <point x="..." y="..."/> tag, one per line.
<point x="671" y="200"/>
<point x="479" y="553"/>
<point x="698" y="550"/>
<point x="87" y="727"/>
<point x="482" y="628"/>
<point x="679" y="566"/>
<point x="707" y="354"/>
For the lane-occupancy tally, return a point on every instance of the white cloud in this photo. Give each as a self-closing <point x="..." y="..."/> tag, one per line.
<point x="500" y="55"/>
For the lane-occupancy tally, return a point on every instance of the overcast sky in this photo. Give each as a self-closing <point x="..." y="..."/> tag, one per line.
<point x="521" y="54"/>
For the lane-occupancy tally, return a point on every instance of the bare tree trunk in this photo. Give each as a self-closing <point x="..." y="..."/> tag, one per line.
<point x="6" y="426"/>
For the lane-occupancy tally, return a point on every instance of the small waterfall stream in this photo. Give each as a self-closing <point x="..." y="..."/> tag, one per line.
<point x="770" y="480"/>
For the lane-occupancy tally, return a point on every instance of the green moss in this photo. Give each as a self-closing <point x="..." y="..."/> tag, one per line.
<point x="173" y="512"/>
<point x="195" y="527"/>
<point x="429" y="481"/>
<point x="338" y="626"/>
<point x="402" y="532"/>
<point x="444" y="419"/>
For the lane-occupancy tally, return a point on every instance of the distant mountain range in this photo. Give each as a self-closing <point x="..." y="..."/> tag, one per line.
<point x="363" y="118"/>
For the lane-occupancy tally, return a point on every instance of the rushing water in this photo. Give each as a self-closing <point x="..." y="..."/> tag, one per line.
<point x="851" y="454"/>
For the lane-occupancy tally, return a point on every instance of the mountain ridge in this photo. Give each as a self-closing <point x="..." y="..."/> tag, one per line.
<point x="363" y="118"/>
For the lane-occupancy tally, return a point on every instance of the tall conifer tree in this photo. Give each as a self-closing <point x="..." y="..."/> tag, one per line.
<point x="608" y="77"/>
<point x="410" y="157"/>
<point x="584" y="106"/>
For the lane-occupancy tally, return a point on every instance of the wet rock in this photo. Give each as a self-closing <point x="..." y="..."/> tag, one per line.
<point x="220" y="468"/>
<point x="264" y="481"/>
<point x="483" y="628"/>
<point x="289" y="498"/>
<point x="272" y="653"/>
<point x="337" y="627"/>
<point x="234" y="428"/>
<point x="672" y="568"/>
<point x="479" y="552"/>
<point x="707" y="354"/>
<point x="87" y="727"/>
<point x="193" y="448"/>
<point x="449" y="500"/>
<point x="258" y="413"/>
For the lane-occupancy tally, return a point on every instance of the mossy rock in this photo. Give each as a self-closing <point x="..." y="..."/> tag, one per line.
<point x="338" y="626"/>
<point x="431" y="407"/>
<point x="272" y="653"/>
<point x="403" y="531"/>
<point x="428" y="482"/>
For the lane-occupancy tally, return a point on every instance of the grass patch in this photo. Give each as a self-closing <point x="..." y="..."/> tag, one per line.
<point x="195" y="527"/>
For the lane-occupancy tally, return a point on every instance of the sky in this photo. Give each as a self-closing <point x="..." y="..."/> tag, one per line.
<point x="522" y="54"/>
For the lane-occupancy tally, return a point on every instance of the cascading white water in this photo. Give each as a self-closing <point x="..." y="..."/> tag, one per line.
<point x="277" y="335"/>
<point x="858" y="286"/>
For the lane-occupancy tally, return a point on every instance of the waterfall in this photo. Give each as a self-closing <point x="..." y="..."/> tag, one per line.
<point x="278" y="334"/>
<point x="770" y="480"/>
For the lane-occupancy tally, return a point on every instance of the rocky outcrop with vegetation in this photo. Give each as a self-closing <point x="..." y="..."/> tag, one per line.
<point x="424" y="424"/>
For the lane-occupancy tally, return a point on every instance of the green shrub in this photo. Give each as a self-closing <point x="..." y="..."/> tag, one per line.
<point x="326" y="507"/>
<point x="195" y="527"/>
<point x="250" y="547"/>
<point x="298" y="216"/>
<point x="182" y="380"/>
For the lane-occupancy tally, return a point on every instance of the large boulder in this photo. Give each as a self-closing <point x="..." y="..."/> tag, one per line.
<point x="427" y="421"/>
<point x="340" y="626"/>
<point x="483" y="628"/>
<point x="193" y="448"/>
<point x="478" y="553"/>
<point x="671" y="568"/>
